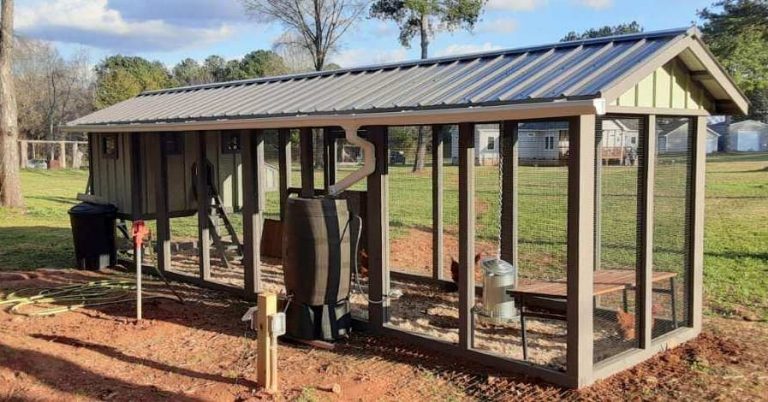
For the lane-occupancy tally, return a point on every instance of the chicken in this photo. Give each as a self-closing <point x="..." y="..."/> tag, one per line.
<point x="362" y="263"/>
<point x="626" y="322"/>
<point x="455" y="272"/>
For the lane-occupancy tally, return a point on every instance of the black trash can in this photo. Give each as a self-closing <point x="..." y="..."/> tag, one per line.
<point x="93" y="231"/>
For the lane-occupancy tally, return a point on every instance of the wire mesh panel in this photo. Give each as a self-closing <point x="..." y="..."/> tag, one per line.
<point x="618" y="156"/>
<point x="671" y="224"/>
<point x="271" y="175"/>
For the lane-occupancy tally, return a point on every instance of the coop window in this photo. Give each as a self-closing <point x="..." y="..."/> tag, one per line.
<point x="491" y="143"/>
<point x="173" y="144"/>
<point x="230" y="143"/>
<point x="109" y="146"/>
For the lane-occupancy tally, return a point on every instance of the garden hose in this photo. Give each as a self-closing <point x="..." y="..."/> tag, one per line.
<point x="52" y="301"/>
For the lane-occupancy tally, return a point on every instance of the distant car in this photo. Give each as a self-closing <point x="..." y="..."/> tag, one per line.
<point x="37" y="164"/>
<point x="397" y="158"/>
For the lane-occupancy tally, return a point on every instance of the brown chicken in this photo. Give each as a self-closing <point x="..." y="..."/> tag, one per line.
<point x="362" y="263"/>
<point x="455" y="272"/>
<point x="626" y="322"/>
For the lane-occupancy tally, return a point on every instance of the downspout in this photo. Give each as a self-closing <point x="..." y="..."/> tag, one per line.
<point x="369" y="161"/>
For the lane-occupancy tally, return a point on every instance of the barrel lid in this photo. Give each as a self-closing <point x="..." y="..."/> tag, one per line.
<point x="86" y="208"/>
<point x="496" y="266"/>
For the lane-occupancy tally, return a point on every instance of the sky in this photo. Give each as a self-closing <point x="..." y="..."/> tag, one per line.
<point x="172" y="30"/>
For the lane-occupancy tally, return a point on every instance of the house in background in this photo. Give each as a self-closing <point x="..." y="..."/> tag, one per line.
<point x="673" y="137"/>
<point x="743" y="136"/>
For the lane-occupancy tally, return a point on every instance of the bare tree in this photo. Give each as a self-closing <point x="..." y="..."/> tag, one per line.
<point x="10" y="184"/>
<point x="313" y="25"/>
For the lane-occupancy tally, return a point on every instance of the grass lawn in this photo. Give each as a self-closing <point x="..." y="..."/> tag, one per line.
<point x="736" y="243"/>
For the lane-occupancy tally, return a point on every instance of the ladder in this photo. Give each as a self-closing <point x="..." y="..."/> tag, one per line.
<point x="219" y="222"/>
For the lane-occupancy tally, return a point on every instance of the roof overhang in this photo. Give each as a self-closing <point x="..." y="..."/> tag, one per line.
<point x="704" y="68"/>
<point x="483" y="114"/>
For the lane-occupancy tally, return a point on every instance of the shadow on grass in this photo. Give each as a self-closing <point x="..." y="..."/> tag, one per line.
<point x="32" y="247"/>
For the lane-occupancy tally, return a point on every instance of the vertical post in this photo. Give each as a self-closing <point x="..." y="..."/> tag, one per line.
<point x="378" y="229"/>
<point x="161" y="204"/>
<point x="75" y="159"/>
<point x="253" y="207"/>
<point x="581" y="238"/>
<point x="203" y="209"/>
<point x="307" y="162"/>
<point x="284" y="162"/>
<point x="62" y="154"/>
<point x="329" y="154"/>
<point x="266" y="370"/>
<point x="645" y="264"/>
<point x="509" y="187"/>
<point x="23" y="154"/>
<point x="437" y="202"/>
<point x="695" y="285"/>
<point x="466" y="232"/>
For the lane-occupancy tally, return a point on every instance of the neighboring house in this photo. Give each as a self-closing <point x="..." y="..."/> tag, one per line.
<point x="743" y="136"/>
<point x="674" y="137"/>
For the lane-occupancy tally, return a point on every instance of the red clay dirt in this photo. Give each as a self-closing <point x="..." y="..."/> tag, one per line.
<point x="200" y="351"/>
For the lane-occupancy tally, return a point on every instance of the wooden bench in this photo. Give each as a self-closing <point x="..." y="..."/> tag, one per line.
<point x="547" y="299"/>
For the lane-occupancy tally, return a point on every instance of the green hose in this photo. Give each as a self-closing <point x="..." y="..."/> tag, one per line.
<point x="70" y="297"/>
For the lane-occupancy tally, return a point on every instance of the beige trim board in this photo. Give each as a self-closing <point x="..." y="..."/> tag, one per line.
<point x="660" y="111"/>
<point x="421" y="117"/>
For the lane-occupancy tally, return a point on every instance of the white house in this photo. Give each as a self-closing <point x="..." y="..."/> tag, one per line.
<point x="673" y="137"/>
<point x="743" y="136"/>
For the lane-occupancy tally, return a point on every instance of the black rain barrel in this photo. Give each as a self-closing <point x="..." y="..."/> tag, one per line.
<point x="93" y="232"/>
<point x="316" y="266"/>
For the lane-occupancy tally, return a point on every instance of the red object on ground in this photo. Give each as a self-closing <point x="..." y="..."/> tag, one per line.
<point x="140" y="230"/>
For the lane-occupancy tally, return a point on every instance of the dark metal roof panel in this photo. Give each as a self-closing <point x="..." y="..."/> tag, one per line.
<point x="573" y="70"/>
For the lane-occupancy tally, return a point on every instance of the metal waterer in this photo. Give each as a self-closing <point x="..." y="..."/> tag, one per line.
<point x="499" y="276"/>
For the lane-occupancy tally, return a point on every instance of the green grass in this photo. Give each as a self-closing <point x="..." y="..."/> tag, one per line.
<point x="736" y="231"/>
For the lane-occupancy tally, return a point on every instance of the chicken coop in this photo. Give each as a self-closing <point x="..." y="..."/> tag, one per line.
<point x="532" y="250"/>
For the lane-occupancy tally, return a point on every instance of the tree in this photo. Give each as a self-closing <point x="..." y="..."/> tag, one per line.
<point x="607" y="30"/>
<point x="190" y="72"/>
<point x="10" y="183"/>
<point x="425" y="18"/>
<point x="737" y="33"/>
<point x="215" y="67"/>
<point x="316" y="26"/>
<point x="122" y="77"/>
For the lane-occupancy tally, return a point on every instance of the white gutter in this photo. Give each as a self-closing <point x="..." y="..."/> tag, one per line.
<point x="369" y="162"/>
<point x="480" y="114"/>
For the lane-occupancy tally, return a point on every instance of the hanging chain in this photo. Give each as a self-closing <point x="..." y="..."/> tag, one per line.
<point x="500" y="152"/>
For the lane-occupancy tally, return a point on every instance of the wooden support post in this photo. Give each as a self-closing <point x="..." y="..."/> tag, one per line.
<point x="694" y="283"/>
<point x="62" y="154"/>
<point x="266" y="347"/>
<point x="75" y="158"/>
<point x="307" y="162"/>
<point x="581" y="239"/>
<point x="329" y="156"/>
<point x="203" y="209"/>
<point x="509" y="187"/>
<point x="645" y="264"/>
<point x="466" y="233"/>
<point x="284" y="162"/>
<point x="23" y="154"/>
<point x="253" y="208"/>
<point x="378" y="230"/>
<point x="438" y="270"/>
<point x="159" y="151"/>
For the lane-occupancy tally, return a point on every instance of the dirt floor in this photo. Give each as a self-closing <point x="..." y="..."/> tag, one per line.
<point x="201" y="351"/>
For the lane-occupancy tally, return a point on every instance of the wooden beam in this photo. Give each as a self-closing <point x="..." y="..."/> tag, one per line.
<point x="137" y="195"/>
<point x="466" y="232"/>
<point x="307" y="162"/>
<point x="695" y="284"/>
<point x="329" y="156"/>
<point x="378" y="230"/>
<point x="161" y="204"/>
<point x="284" y="162"/>
<point x="645" y="263"/>
<point x="437" y="202"/>
<point x="266" y="365"/>
<point x="203" y="209"/>
<point x="581" y="239"/>
<point x="509" y="190"/>
<point x="253" y="208"/>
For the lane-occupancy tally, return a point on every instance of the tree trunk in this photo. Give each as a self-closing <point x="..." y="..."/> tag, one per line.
<point x="10" y="184"/>
<point x="421" y="143"/>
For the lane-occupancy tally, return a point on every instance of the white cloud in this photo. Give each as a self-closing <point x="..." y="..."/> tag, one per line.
<point x="516" y="5"/>
<point x="363" y="57"/>
<point x="596" y="4"/>
<point x="459" y="49"/>
<point x="499" y="25"/>
<point x="94" y="23"/>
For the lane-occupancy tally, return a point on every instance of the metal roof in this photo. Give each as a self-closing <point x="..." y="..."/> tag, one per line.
<point x="563" y="71"/>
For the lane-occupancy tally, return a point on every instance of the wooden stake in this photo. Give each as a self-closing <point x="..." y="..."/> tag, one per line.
<point x="266" y="366"/>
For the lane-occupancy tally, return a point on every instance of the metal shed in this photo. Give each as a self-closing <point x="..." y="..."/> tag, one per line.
<point x="646" y="78"/>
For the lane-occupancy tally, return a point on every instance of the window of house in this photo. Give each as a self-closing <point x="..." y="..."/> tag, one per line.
<point x="230" y="143"/>
<point x="549" y="142"/>
<point x="109" y="146"/>
<point x="491" y="143"/>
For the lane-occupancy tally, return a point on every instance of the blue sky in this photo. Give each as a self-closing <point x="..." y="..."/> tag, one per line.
<point x="171" y="30"/>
